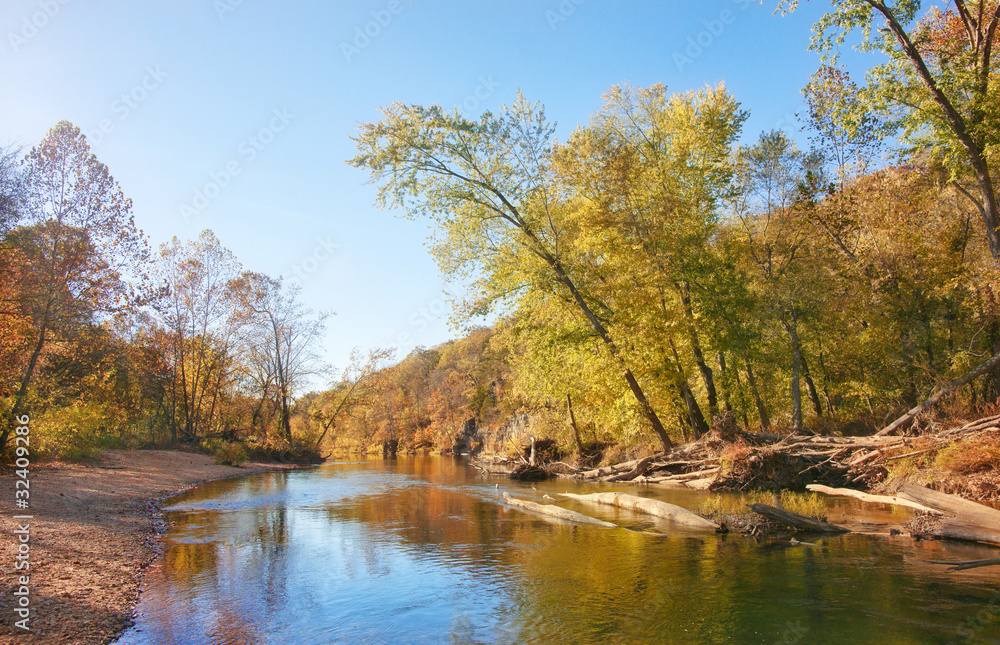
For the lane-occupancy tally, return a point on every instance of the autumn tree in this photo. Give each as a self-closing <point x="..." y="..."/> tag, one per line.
<point x="330" y="409"/>
<point x="11" y="188"/>
<point x="938" y="86"/>
<point x="487" y="186"/>
<point x="78" y="236"/>
<point x="199" y="309"/>
<point x="649" y="175"/>
<point x="283" y="336"/>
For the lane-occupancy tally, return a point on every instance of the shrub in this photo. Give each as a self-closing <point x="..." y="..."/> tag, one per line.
<point x="230" y="454"/>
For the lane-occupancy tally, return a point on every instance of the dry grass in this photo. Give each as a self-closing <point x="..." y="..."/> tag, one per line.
<point x="808" y="504"/>
<point x="970" y="457"/>
<point x="969" y="468"/>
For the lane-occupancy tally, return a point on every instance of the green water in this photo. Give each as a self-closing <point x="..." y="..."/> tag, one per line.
<point x="423" y="550"/>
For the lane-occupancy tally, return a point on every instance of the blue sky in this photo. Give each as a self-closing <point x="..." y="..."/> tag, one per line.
<point x="250" y="104"/>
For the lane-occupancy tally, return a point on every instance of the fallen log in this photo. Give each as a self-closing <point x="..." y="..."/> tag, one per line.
<point x="692" y="475"/>
<point x="952" y="504"/>
<point x="973" y="522"/>
<point x="937" y="396"/>
<point x="557" y="511"/>
<point x="967" y="564"/>
<point x="867" y="497"/>
<point x="640" y="469"/>
<point x="795" y="520"/>
<point x="648" y="506"/>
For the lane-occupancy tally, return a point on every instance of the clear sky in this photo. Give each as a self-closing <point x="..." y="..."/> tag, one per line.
<point x="235" y="115"/>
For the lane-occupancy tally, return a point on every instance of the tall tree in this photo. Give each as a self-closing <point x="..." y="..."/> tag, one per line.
<point x="199" y="309"/>
<point x="80" y="239"/>
<point x="651" y="171"/>
<point x="12" y="187"/>
<point x="776" y="237"/>
<point x="938" y="86"/>
<point x="487" y="186"/>
<point x="285" y="335"/>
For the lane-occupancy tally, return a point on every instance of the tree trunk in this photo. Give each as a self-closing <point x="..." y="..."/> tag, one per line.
<point x="826" y="379"/>
<point x="811" y="387"/>
<point x="557" y="511"/>
<point x="572" y="424"/>
<point x="698" y="424"/>
<point x="699" y="358"/>
<point x="988" y="207"/>
<point x="684" y="423"/>
<point x="722" y="371"/>
<point x="648" y="506"/>
<point x="633" y="384"/>
<point x="765" y="423"/>
<point x="795" y="520"/>
<point x="796" y="386"/>
<point x="937" y="396"/>
<point x="21" y="398"/>
<point x="286" y="423"/>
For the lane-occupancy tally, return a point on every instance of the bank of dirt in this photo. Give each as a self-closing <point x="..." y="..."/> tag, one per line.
<point x="93" y="531"/>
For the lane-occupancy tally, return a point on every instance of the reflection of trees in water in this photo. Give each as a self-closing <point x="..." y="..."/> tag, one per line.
<point x="231" y="629"/>
<point x="383" y="544"/>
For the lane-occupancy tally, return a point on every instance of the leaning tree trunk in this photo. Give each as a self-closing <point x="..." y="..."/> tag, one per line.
<point x="699" y="357"/>
<point x="698" y="424"/>
<point x="937" y="396"/>
<point x="572" y="424"/>
<point x="811" y="387"/>
<point x="796" y="386"/>
<point x="609" y="343"/>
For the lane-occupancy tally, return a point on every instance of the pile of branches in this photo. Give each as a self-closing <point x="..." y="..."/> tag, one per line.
<point x="734" y="460"/>
<point x="740" y="461"/>
<point x="536" y="461"/>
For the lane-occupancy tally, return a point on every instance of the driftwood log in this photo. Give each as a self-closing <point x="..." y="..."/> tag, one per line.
<point x="648" y="506"/>
<point x="639" y="470"/>
<point x="557" y="511"/>
<point x="795" y="520"/>
<point x="971" y="521"/>
<point x="868" y="497"/>
<point x="967" y="564"/>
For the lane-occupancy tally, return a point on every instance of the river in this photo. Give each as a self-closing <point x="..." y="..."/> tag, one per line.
<point x="423" y="550"/>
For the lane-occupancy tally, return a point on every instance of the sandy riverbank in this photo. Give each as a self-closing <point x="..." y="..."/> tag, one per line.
<point x="93" y="532"/>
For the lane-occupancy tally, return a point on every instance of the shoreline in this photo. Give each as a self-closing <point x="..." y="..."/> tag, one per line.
<point x="95" y="529"/>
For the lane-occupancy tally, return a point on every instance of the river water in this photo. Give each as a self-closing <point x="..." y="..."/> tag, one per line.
<point x="423" y="550"/>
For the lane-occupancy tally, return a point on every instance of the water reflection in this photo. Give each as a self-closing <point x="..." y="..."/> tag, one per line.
<point x="420" y="550"/>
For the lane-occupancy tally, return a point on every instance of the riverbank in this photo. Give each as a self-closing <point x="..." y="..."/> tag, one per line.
<point x="963" y="460"/>
<point x="93" y="531"/>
